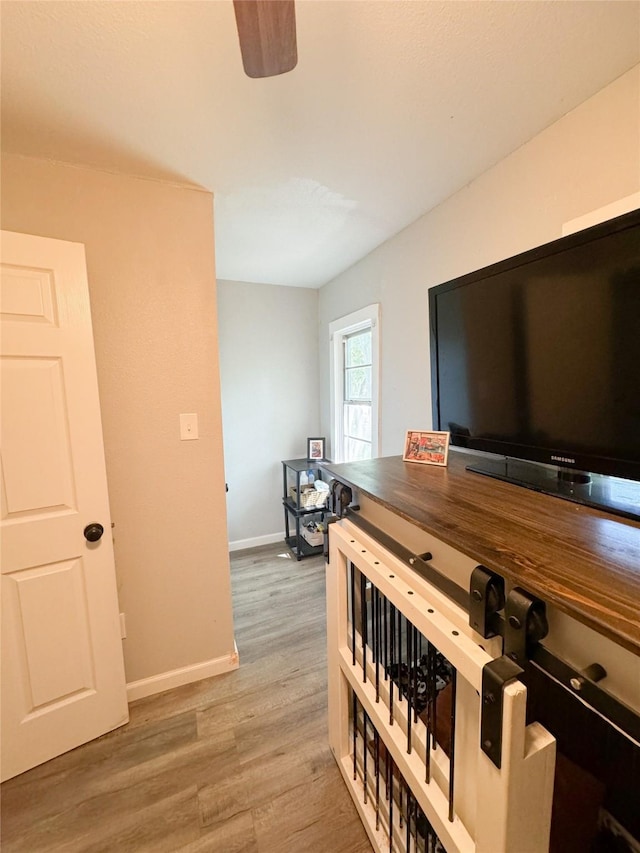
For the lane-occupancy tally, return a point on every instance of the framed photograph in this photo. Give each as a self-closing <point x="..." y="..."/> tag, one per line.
<point x="430" y="448"/>
<point x="315" y="449"/>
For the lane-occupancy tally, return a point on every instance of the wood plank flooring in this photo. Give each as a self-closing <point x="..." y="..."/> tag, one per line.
<point x="236" y="764"/>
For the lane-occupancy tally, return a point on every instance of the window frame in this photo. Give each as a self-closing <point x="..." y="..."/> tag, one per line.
<point x="367" y="317"/>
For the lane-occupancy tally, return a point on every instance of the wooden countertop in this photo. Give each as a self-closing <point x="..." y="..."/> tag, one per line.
<point x="584" y="561"/>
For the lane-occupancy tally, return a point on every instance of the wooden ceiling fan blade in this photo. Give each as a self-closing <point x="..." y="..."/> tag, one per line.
<point x="267" y="33"/>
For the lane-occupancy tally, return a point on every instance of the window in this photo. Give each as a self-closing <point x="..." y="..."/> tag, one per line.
<point x="354" y="385"/>
<point x="356" y="395"/>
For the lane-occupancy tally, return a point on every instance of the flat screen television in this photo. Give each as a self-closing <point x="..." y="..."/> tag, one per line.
<point x="536" y="361"/>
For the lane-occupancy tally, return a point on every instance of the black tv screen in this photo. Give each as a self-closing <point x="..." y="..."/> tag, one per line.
<point x="538" y="357"/>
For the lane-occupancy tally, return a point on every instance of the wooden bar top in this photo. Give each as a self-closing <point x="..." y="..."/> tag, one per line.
<point x="582" y="560"/>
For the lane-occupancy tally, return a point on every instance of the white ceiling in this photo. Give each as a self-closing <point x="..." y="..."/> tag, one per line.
<point x="393" y="107"/>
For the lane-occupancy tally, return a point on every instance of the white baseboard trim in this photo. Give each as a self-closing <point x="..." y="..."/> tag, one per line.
<point x="256" y="541"/>
<point x="184" y="675"/>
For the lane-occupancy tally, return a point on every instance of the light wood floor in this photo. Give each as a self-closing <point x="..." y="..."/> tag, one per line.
<point x="234" y="763"/>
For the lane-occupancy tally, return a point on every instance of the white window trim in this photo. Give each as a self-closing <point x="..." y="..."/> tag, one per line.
<point x="365" y="317"/>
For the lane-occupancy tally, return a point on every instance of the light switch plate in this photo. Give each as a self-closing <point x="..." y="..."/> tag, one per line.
<point x="188" y="426"/>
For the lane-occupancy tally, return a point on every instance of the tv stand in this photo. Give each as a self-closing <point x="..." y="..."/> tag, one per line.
<point x="581" y="562"/>
<point x="621" y="497"/>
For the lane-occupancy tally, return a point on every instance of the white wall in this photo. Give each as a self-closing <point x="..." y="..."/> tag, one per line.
<point x="587" y="159"/>
<point x="268" y="339"/>
<point x="150" y="264"/>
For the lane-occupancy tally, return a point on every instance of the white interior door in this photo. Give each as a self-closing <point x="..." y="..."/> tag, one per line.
<point x="62" y="667"/>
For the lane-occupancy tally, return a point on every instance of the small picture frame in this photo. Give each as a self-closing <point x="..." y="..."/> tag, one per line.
<point x="429" y="448"/>
<point x="315" y="449"/>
